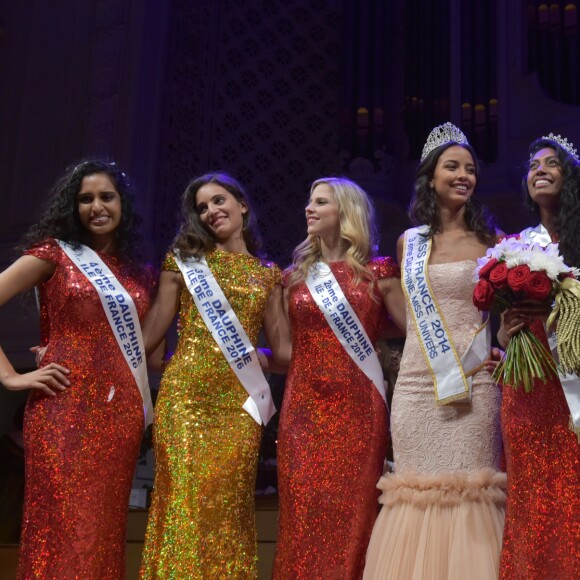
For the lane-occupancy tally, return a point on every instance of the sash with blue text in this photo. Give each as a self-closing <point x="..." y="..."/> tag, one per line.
<point x="121" y="314"/>
<point x="450" y="381"/>
<point x="229" y="334"/>
<point x="344" y="322"/>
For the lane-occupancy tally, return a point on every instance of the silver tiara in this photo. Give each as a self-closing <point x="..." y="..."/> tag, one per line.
<point x="446" y="133"/>
<point x="568" y="146"/>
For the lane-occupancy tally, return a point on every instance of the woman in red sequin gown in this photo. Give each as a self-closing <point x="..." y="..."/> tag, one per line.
<point x="84" y="418"/>
<point x="333" y="432"/>
<point x="542" y="529"/>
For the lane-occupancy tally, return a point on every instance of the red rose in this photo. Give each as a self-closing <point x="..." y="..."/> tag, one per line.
<point x="499" y="275"/>
<point x="538" y="286"/>
<point x="518" y="277"/>
<point x="484" y="271"/>
<point x="483" y="295"/>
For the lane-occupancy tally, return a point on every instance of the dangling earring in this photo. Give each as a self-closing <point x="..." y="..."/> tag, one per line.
<point x="468" y="203"/>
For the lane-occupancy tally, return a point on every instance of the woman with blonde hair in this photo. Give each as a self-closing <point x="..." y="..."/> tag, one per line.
<point x="332" y="438"/>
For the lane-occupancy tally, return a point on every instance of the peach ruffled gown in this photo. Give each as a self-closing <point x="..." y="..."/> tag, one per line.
<point x="442" y="510"/>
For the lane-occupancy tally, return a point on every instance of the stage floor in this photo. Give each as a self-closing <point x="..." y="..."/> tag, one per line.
<point x="266" y="523"/>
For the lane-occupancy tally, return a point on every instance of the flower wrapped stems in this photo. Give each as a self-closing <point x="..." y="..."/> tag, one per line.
<point x="525" y="360"/>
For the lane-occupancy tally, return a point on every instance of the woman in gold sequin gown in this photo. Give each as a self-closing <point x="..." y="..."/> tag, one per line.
<point x="202" y="521"/>
<point x="84" y="418"/>
<point x="333" y="435"/>
<point x="443" y="507"/>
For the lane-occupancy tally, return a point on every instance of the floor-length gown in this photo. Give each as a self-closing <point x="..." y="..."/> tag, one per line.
<point x="202" y="520"/>
<point x="332" y="439"/>
<point x="443" y="508"/>
<point x="82" y="445"/>
<point x="542" y="529"/>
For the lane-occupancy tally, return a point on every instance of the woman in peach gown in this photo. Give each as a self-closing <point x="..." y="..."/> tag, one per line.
<point x="443" y="508"/>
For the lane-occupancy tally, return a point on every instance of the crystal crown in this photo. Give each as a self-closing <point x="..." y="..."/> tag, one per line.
<point x="446" y="133"/>
<point x="568" y="146"/>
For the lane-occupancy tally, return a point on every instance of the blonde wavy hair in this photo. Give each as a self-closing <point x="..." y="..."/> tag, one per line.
<point x="358" y="231"/>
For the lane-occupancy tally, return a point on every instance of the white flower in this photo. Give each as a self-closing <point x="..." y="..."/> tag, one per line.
<point x="515" y="252"/>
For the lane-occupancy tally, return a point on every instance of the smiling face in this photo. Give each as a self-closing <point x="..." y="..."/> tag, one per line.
<point x="454" y="177"/>
<point x="545" y="178"/>
<point x="99" y="205"/>
<point x="322" y="212"/>
<point x="220" y="212"/>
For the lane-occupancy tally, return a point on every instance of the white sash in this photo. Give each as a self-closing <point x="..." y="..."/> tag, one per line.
<point x="344" y="322"/>
<point x="539" y="235"/>
<point x="121" y="314"/>
<point x="570" y="381"/>
<point x="451" y="381"/>
<point x="230" y="336"/>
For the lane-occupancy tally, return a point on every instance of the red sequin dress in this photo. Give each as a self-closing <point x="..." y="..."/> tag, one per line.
<point x="80" y="446"/>
<point x="542" y="529"/>
<point x="332" y="439"/>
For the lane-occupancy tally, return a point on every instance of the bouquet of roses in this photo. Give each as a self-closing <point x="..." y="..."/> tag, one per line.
<point x="512" y="271"/>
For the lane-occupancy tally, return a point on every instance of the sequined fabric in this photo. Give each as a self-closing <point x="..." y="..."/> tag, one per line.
<point x="443" y="508"/>
<point x="81" y="446"/>
<point x="202" y="521"/>
<point x="332" y="439"/>
<point x="542" y="531"/>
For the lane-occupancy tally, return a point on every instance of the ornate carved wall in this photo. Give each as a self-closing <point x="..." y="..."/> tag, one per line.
<point x="252" y="89"/>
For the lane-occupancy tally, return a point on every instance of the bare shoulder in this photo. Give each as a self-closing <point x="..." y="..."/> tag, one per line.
<point x="400" y="247"/>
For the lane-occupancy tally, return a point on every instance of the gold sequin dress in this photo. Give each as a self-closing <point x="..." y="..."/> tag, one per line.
<point x="202" y="521"/>
<point x="82" y="445"/>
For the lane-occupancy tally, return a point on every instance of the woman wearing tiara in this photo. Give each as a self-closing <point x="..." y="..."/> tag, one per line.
<point x="443" y="507"/>
<point x="84" y="418"/>
<point x="333" y="433"/>
<point x="542" y="532"/>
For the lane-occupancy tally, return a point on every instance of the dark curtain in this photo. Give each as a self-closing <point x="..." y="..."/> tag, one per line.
<point x="480" y="105"/>
<point x="554" y="49"/>
<point x="427" y="68"/>
<point x="396" y="77"/>
<point x="371" y="77"/>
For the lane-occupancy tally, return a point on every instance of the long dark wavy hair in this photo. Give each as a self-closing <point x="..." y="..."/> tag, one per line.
<point x="193" y="240"/>
<point x="424" y="211"/>
<point x="60" y="219"/>
<point x="568" y="218"/>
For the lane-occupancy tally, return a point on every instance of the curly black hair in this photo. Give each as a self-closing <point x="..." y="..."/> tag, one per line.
<point x="568" y="218"/>
<point x="193" y="239"/>
<point x="60" y="219"/>
<point x="424" y="210"/>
